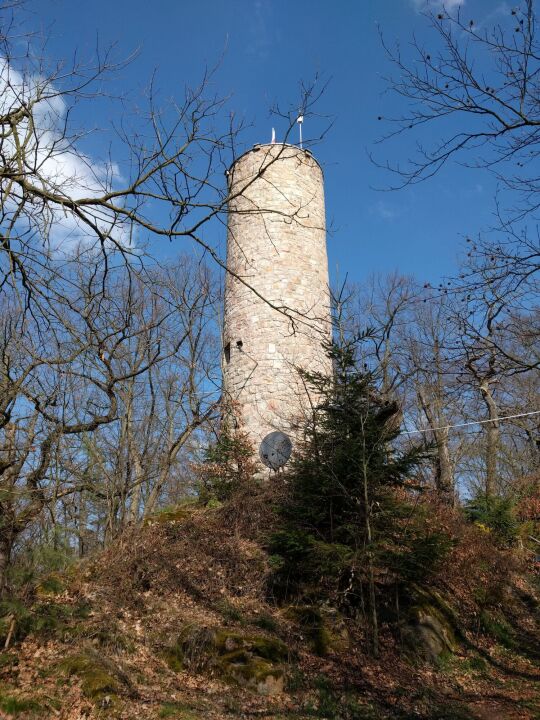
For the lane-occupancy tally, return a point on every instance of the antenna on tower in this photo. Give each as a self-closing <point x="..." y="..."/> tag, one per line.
<point x="273" y="141"/>
<point x="300" y="120"/>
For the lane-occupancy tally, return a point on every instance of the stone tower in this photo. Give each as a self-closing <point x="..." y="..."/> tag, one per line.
<point x="276" y="299"/>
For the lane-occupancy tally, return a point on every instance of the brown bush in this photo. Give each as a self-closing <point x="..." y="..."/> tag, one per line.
<point x="206" y="553"/>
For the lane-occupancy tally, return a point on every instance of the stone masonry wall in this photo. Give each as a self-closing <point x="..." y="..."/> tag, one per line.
<point x="277" y="245"/>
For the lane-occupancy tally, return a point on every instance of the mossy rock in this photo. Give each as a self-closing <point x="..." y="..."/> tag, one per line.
<point x="253" y="661"/>
<point x="257" y="674"/>
<point x="323" y="627"/>
<point x="99" y="676"/>
<point x="194" y="648"/>
<point x="271" y="649"/>
<point x="425" y="636"/>
<point x="428" y="632"/>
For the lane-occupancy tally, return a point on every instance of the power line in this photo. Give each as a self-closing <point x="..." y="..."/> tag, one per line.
<point x="472" y="422"/>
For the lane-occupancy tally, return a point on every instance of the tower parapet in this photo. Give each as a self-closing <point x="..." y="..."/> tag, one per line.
<point x="276" y="296"/>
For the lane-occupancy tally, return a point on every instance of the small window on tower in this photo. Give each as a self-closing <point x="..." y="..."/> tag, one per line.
<point x="227" y="352"/>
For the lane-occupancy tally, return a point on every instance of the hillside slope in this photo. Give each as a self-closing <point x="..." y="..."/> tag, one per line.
<point x="173" y="621"/>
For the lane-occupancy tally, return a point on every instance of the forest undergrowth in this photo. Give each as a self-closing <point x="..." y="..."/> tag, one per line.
<point x="175" y="620"/>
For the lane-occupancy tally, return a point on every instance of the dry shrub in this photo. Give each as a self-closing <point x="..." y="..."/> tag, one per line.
<point x="202" y="553"/>
<point x="251" y="509"/>
<point x="229" y="462"/>
<point x="478" y="572"/>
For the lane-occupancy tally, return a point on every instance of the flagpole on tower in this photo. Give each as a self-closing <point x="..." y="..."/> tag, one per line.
<point x="300" y="121"/>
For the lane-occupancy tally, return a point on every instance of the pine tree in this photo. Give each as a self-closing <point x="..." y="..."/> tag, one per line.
<point x="228" y="463"/>
<point x="341" y="503"/>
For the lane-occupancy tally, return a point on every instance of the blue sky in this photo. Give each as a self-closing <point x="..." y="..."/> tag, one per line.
<point x="267" y="47"/>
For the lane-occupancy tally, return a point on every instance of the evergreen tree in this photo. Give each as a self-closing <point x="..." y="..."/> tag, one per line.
<point x="228" y="463"/>
<point x="342" y="510"/>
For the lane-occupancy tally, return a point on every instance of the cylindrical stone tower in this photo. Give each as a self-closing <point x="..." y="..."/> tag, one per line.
<point x="276" y="296"/>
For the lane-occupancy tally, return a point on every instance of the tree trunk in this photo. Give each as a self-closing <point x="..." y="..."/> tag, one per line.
<point x="81" y="523"/>
<point x="134" y="507"/>
<point x="444" y="478"/>
<point x="371" y="576"/>
<point x="6" y="543"/>
<point x="444" y="470"/>
<point x="492" y="439"/>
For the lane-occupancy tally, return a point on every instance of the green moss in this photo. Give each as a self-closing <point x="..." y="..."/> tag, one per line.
<point x="7" y="660"/>
<point x="174" y="657"/>
<point x="229" y="612"/>
<point x="250" y="660"/>
<point x="98" y="683"/>
<point x="178" y="711"/>
<point x="305" y="615"/>
<point x="52" y="584"/>
<point x="474" y="664"/>
<point x="323" y="637"/>
<point x="498" y="628"/>
<point x="173" y="514"/>
<point x="98" y="676"/>
<point x="251" y="672"/>
<point x="236" y="657"/>
<point x="214" y="504"/>
<point x="266" y="622"/>
<point x="270" y="649"/>
<point x="15" y="706"/>
<point x="253" y="669"/>
<point x="322" y="641"/>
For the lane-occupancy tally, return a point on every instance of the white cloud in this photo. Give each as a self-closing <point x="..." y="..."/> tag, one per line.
<point x="53" y="163"/>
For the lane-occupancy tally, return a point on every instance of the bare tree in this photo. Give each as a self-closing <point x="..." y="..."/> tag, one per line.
<point x="112" y="355"/>
<point x="106" y="361"/>
<point x="128" y="465"/>
<point x="55" y="383"/>
<point x="486" y="81"/>
<point x="480" y="87"/>
<point x="433" y="370"/>
<point x="168" y="182"/>
<point x="384" y="304"/>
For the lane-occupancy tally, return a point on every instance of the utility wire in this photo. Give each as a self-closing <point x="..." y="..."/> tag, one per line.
<point x="472" y="422"/>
